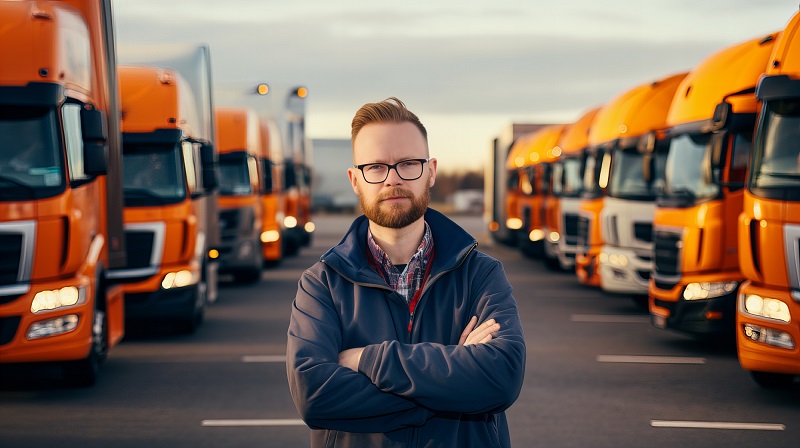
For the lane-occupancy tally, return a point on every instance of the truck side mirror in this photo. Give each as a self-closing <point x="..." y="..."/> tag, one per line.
<point x="95" y="138"/>
<point x="721" y="115"/>
<point x="209" y="167"/>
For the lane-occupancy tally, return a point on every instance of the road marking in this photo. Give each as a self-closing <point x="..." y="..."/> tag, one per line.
<point x="650" y="359"/>
<point x="614" y="319"/>
<point x="263" y="422"/>
<point x="264" y="358"/>
<point x="717" y="425"/>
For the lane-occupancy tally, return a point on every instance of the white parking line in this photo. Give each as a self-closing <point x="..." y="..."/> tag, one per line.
<point x="607" y="318"/>
<point x="650" y="359"/>
<point x="267" y="422"/>
<point x="264" y="358"/>
<point x="717" y="425"/>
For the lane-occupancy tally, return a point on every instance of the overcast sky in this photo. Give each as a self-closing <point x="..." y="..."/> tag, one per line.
<point x="467" y="68"/>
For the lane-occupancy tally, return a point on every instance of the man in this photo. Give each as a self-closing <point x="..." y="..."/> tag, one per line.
<point x="384" y="347"/>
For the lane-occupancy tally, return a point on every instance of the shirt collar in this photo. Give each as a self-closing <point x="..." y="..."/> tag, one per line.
<point x="379" y="257"/>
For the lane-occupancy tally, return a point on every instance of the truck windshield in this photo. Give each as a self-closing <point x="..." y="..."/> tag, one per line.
<point x="234" y="174"/>
<point x="688" y="168"/>
<point x="152" y="174"/>
<point x="573" y="177"/>
<point x="31" y="165"/>
<point x="627" y="176"/>
<point x="777" y="154"/>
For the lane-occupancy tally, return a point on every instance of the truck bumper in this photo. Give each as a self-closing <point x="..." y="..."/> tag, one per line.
<point x="714" y="316"/>
<point x="177" y="303"/>
<point x="630" y="276"/>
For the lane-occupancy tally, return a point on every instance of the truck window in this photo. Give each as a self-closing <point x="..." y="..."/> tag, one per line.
<point x="73" y="139"/>
<point x="30" y="157"/>
<point x="235" y="174"/>
<point x="742" y="146"/>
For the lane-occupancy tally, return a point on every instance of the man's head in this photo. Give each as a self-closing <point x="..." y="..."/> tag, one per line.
<point x="388" y="133"/>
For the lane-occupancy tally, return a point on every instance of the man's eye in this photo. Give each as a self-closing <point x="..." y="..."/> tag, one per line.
<point x="374" y="167"/>
<point x="408" y="163"/>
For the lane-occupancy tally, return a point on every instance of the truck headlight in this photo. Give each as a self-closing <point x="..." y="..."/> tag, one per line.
<point x="179" y="279"/>
<point x="766" y="307"/>
<point x="290" y="222"/>
<point x="58" y="298"/>
<point x="309" y="227"/>
<point x="270" y="236"/>
<point x="706" y="290"/>
<point x="768" y="336"/>
<point x="514" y="223"/>
<point x="536" y="235"/>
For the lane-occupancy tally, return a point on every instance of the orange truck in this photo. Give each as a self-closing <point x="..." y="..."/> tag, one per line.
<point x="241" y="211"/>
<point x="518" y="185"/>
<point x="270" y="160"/>
<point x="638" y="154"/>
<point x="163" y="189"/>
<point x="568" y="187"/>
<point x="710" y="125"/>
<point x="768" y="314"/>
<point x="542" y="151"/>
<point x="497" y="185"/>
<point x="60" y="186"/>
<point x="617" y="207"/>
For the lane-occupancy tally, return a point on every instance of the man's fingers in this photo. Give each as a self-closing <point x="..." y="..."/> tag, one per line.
<point x="470" y="326"/>
<point x="486" y="339"/>
<point x="478" y="335"/>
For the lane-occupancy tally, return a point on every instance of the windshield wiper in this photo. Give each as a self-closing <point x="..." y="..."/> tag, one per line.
<point x="10" y="180"/>
<point x="683" y="192"/>
<point x="130" y="193"/>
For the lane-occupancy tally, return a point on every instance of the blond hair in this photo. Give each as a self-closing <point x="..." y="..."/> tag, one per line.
<point x="390" y="110"/>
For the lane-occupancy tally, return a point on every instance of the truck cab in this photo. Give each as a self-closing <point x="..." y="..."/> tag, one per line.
<point x="270" y="160"/>
<point x="536" y="172"/>
<point x="638" y="154"/>
<point x="768" y="312"/>
<point x="241" y="211"/>
<point x="60" y="186"/>
<point x="568" y="182"/>
<point x="617" y="211"/>
<point x="163" y="186"/>
<point x="710" y="126"/>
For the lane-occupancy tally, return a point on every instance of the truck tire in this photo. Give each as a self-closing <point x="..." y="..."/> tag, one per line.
<point x="84" y="372"/>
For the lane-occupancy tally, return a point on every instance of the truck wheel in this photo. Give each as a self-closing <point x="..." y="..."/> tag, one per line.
<point x="770" y="380"/>
<point x="84" y="372"/>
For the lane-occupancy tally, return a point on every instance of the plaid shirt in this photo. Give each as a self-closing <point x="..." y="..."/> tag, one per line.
<point x="410" y="281"/>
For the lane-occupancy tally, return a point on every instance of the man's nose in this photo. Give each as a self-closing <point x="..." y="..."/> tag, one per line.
<point x="393" y="178"/>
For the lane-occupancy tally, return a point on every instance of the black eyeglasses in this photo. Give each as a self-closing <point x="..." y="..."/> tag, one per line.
<point x="375" y="173"/>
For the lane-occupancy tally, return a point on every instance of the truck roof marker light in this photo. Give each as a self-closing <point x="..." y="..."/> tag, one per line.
<point x="534" y="157"/>
<point x="166" y="78"/>
<point x="301" y="92"/>
<point x="213" y="254"/>
<point x="519" y="161"/>
<point x="262" y="89"/>
<point x="557" y="151"/>
<point x="494" y="226"/>
<point x="623" y="129"/>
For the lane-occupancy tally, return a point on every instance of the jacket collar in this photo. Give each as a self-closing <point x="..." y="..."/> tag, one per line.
<point x="349" y="257"/>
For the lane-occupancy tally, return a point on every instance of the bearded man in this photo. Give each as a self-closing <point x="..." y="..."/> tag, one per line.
<point x="384" y="347"/>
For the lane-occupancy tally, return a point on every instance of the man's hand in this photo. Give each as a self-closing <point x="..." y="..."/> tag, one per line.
<point x="472" y="335"/>
<point x="350" y="358"/>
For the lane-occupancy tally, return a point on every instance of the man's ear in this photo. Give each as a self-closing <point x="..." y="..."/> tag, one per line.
<point x="353" y="174"/>
<point x="432" y="167"/>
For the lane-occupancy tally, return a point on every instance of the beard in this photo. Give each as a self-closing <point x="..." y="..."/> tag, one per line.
<point x="395" y="215"/>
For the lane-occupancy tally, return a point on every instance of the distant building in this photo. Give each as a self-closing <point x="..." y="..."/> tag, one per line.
<point x="330" y="187"/>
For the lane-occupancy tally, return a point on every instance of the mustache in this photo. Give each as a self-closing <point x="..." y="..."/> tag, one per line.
<point x="395" y="193"/>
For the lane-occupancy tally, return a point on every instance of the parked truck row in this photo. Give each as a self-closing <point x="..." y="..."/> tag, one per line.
<point x="682" y="193"/>
<point x="124" y="191"/>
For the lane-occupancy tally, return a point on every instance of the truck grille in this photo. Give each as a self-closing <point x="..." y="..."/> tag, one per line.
<point x="229" y="224"/>
<point x="643" y="231"/>
<point x="8" y="328"/>
<point x="667" y="252"/>
<point x="10" y="257"/>
<point x="583" y="234"/>
<point x="571" y="228"/>
<point x="139" y="248"/>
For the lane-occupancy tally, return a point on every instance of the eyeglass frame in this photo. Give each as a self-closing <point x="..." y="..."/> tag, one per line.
<point x="391" y="167"/>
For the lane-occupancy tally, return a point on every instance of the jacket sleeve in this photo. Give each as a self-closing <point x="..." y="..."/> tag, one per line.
<point x="326" y="394"/>
<point x="479" y="378"/>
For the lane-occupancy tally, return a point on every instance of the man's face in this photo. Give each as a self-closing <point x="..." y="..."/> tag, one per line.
<point x="394" y="203"/>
